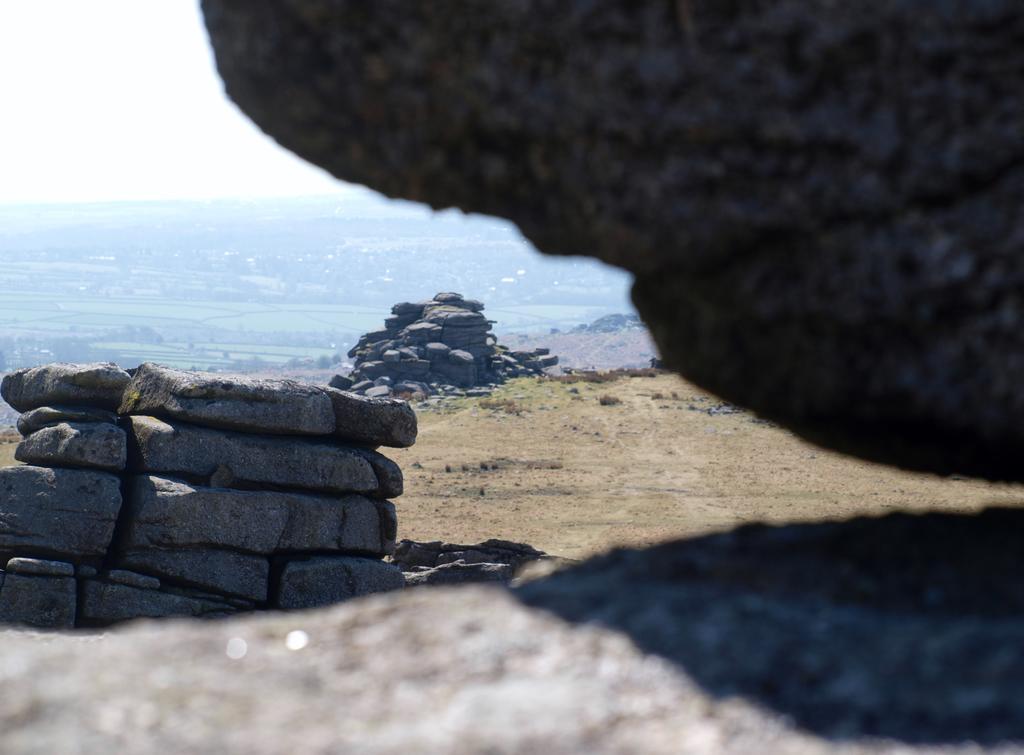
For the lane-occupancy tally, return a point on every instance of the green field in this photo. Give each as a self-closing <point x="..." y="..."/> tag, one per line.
<point x="32" y="311"/>
<point x="207" y="354"/>
<point x="207" y="333"/>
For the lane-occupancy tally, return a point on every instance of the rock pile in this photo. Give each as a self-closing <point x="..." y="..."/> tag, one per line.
<point x="436" y="346"/>
<point x="175" y="493"/>
<point x="437" y="563"/>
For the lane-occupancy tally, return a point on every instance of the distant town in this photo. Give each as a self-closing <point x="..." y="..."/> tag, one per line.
<point x="250" y="285"/>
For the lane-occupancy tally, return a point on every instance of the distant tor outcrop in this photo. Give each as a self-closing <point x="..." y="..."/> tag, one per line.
<point x="433" y="346"/>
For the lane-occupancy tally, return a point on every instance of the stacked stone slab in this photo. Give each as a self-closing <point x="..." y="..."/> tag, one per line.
<point x="446" y="341"/>
<point x="165" y="492"/>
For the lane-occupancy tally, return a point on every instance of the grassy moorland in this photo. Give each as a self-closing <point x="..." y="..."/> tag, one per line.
<point x="576" y="468"/>
<point x="8" y="440"/>
<point x="217" y="333"/>
<point x="550" y="464"/>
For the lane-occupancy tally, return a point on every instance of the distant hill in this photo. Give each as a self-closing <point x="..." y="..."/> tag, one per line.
<point x="244" y="285"/>
<point x="610" y="341"/>
<point x="591" y="350"/>
<point x="612" y="324"/>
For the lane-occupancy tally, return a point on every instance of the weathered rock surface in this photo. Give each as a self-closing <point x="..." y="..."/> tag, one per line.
<point x="218" y="570"/>
<point x="898" y="628"/>
<point x="231" y="402"/>
<point x="458" y="573"/>
<point x="38" y="600"/>
<point x="40" y="567"/>
<point x="438" y="563"/>
<point x="241" y="459"/>
<point x="132" y="579"/>
<point x="45" y="416"/>
<point x="203" y="547"/>
<point x="431" y="344"/>
<point x="387" y="674"/>
<point x="69" y="513"/>
<point x="820" y="201"/>
<point x="410" y="554"/>
<point x="172" y="514"/>
<point x="105" y="603"/>
<point x="97" y="385"/>
<point x="92" y="445"/>
<point x="437" y="350"/>
<point x="389" y="474"/>
<point x="897" y="635"/>
<point x="275" y="407"/>
<point x="341" y="382"/>
<point x="322" y="580"/>
<point x="378" y="422"/>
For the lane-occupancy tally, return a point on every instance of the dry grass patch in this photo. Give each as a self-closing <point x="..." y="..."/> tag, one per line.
<point x="497" y="465"/>
<point x="411" y="396"/>
<point x="572" y="477"/>
<point x="604" y="376"/>
<point x="8" y="442"/>
<point x="494" y="465"/>
<point x="584" y="377"/>
<point x="506" y="405"/>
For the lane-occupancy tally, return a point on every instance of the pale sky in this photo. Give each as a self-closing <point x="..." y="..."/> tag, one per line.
<point x="104" y="100"/>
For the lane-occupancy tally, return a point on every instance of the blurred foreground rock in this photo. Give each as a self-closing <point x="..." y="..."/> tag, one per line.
<point x="899" y="634"/>
<point x="821" y="201"/>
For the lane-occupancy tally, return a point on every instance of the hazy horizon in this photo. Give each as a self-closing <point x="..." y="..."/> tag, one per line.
<point x="143" y="216"/>
<point x="119" y="102"/>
